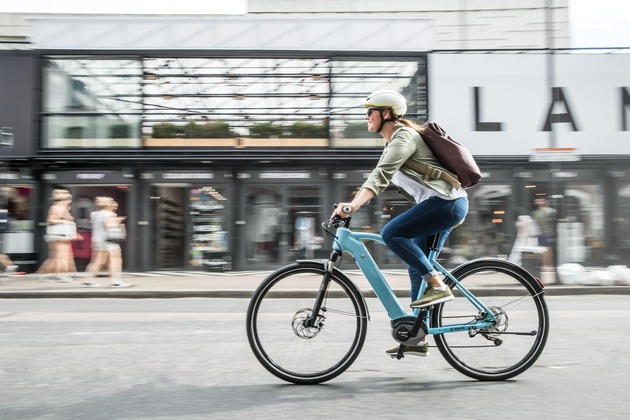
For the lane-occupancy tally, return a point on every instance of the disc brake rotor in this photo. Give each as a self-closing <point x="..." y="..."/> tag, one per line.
<point x="299" y="324"/>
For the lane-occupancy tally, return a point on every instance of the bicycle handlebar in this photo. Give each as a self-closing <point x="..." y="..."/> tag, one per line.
<point x="338" y="221"/>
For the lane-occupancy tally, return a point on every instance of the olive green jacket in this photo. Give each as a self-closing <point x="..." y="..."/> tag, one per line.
<point x="406" y="143"/>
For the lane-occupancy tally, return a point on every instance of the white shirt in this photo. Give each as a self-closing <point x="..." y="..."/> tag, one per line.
<point x="420" y="192"/>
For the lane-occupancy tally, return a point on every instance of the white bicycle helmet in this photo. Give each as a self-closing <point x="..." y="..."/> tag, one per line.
<point x="387" y="99"/>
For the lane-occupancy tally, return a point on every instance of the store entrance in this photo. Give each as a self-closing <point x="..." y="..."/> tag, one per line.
<point x="169" y="232"/>
<point x="190" y="227"/>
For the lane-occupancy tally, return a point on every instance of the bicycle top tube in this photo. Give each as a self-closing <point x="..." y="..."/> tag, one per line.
<point x="345" y="236"/>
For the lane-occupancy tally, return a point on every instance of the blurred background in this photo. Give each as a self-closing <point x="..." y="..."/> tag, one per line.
<point x="227" y="131"/>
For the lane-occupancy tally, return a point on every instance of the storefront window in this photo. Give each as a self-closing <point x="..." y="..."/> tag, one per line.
<point x="283" y="224"/>
<point x="209" y="243"/>
<point x="16" y="225"/>
<point x="266" y="225"/>
<point x="353" y="81"/>
<point x="487" y="230"/>
<point x="581" y="224"/>
<point x="220" y="102"/>
<point x="622" y="221"/>
<point x="306" y="217"/>
<point x="91" y="103"/>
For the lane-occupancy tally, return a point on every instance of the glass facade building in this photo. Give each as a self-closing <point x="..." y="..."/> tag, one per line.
<point x="231" y="162"/>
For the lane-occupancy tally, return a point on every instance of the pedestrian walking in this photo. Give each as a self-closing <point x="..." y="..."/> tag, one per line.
<point x="106" y="249"/>
<point x="545" y="218"/>
<point x="7" y="265"/>
<point x="60" y="231"/>
<point x="526" y="236"/>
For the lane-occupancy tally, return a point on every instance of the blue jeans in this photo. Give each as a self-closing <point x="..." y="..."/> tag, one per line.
<point x="408" y="234"/>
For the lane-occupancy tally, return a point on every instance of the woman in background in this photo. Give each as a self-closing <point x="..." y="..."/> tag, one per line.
<point x="60" y="231"/>
<point x="105" y="252"/>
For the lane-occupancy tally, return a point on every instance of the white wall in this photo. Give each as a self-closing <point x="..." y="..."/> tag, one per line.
<point x="459" y="24"/>
<point x="515" y="92"/>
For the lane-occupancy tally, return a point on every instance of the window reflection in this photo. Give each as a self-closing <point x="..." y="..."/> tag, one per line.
<point x="92" y="103"/>
<point x="209" y="242"/>
<point x="283" y="224"/>
<point x="491" y="235"/>
<point x="263" y="227"/>
<point x="220" y="102"/>
<point x="622" y="225"/>
<point x="581" y="226"/>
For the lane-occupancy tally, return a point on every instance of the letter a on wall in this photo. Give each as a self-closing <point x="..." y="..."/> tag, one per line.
<point x="566" y="117"/>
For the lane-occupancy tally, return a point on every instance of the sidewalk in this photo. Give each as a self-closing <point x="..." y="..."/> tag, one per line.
<point x="180" y="284"/>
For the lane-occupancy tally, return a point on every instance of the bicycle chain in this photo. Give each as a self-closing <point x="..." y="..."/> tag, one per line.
<point x="465" y="347"/>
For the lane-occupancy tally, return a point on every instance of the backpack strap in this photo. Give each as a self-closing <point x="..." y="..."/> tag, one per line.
<point x="433" y="172"/>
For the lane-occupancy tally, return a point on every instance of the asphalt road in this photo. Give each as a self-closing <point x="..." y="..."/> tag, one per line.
<point x="189" y="359"/>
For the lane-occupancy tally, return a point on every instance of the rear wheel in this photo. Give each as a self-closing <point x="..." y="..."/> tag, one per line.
<point x="291" y="341"/>
<point x="513" y="344"/>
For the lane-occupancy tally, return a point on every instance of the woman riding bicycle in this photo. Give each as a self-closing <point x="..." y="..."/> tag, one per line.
<point x="438" y="205"/>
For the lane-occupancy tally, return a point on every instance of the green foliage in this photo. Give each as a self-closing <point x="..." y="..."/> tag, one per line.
<point x="75" y="132"/>
<point x="192" y="130"/>
<point x="165" y="131"/>
<point x="357" y="131"/>
<point x="304" y="130"/>
<point x="120" y="131"/>
<point x="215" y="130"/>
<point x="266" y="130"/>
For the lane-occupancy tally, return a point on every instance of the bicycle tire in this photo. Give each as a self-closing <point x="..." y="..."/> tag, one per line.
<point x="275" y="324"/>
<point x="517" y="299"/>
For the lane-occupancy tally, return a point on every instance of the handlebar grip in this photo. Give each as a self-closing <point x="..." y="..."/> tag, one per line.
<point x="346" y="209"/>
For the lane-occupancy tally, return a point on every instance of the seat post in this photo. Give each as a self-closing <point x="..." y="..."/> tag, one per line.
<point x="438" y="243"/>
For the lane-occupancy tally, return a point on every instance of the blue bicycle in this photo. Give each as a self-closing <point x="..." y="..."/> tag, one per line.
<point x="307" y="322"/>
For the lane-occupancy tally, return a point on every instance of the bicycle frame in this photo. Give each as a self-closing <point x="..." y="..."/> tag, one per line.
<point x="349" y="241"/>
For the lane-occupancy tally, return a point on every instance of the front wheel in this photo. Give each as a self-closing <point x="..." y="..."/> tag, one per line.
<point x="514" y="342"/>
<point x="291" y="341"/>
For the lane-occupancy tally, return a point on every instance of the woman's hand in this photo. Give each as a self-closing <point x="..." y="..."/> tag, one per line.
<point x="346" y="209"/>
<point x="343" y="210"/>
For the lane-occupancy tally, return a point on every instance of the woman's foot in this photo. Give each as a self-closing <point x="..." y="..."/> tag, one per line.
<point x="421" y="349"/>
<point x="432" y="296"/>
<point x="90" y="284"/>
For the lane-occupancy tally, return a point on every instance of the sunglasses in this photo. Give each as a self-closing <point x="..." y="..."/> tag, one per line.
<point x="370" y="110"/>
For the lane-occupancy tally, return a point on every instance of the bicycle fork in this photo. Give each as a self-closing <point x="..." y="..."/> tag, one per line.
<point x="329" y="266"/>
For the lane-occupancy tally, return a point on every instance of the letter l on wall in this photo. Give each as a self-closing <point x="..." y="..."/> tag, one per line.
<point x="483" y="126"/>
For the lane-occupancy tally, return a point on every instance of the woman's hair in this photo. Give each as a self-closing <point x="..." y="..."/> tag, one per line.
<point x="103" y="202"/>
<point x="419" y="128"/>
<point x="61" y="194"/>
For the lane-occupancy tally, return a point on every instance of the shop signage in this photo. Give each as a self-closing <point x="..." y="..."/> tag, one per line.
<point x="284" y="175"/>
<point x="510" y="104"/>
<point x="90" y="176"/>
<point x="188" y="175"/>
